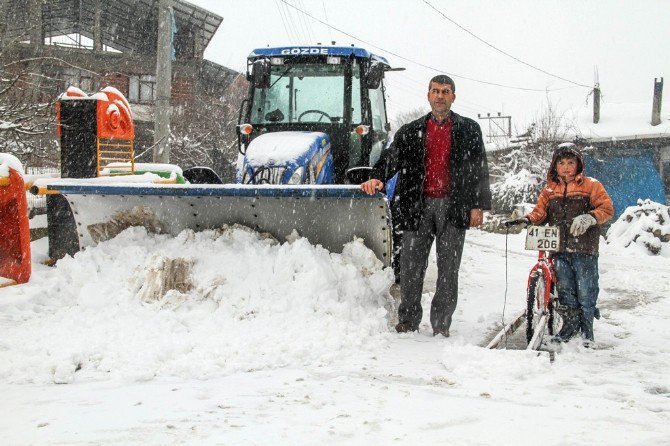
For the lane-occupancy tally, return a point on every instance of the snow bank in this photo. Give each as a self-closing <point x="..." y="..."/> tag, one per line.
<point x="254" y="304"/>
<point x="645" y="226"/>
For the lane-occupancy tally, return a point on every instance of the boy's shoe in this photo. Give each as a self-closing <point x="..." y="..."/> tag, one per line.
<point x="571" y="322"/>
<point x="551" y="345"/>
<point x="556" y="339"/>
<point x="404" y="327"/>
<point x="444" y="332"/>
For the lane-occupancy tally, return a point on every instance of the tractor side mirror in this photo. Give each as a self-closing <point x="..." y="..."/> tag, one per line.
<point x="374" y="75"/>
<point x="260" y="73"/>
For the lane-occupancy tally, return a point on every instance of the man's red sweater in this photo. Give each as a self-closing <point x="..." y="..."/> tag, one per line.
<point x="438" y="146"/>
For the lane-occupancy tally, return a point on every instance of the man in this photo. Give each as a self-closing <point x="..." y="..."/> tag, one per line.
<point x="442" y="189"/>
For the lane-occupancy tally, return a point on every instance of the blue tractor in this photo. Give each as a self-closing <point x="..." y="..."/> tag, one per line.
<point x="314" y="115"/>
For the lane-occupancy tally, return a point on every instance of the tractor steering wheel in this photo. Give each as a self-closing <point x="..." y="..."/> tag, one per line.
<point x="315" y="111"/>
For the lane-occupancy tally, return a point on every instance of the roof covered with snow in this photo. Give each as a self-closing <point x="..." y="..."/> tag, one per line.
<point x="127" y="25"/>
<point x="618" y="121"/>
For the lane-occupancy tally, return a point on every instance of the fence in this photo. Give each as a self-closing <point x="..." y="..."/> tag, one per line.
<point x="37" y="204"/>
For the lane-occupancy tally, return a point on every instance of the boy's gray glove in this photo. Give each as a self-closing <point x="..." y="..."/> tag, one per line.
<point x="581" y="223"/>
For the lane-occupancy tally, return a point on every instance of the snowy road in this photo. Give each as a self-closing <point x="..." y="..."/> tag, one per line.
<point x="317" y="365"/>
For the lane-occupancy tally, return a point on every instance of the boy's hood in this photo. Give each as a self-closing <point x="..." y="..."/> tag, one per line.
<point x="564" y="149"/>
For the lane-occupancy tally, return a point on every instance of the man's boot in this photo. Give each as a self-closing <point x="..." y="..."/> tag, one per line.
<point x="571" y="322"/>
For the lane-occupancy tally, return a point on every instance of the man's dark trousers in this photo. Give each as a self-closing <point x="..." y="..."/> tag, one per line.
<point x="414" y="260"/>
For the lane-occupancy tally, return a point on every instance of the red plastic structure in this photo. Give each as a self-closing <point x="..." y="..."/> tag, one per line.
<point x="14" y="229"/>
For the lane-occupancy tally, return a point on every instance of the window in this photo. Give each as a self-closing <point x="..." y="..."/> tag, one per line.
<point x="377" y="109"/>
<point x="77" y="78"/>
<point x="142" y="88"/>
<point x="302" y="92"/>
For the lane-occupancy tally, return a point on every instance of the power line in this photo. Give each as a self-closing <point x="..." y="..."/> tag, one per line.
<point x="422" y="87"/>
<point x="308" y="25"/>
<point x="281" y="14"/>
<point x="544" y="90"/>
<point x="325" y="16"/>
<point x="501" y="51"/>
<point x="292" y="30"/>
<point x="298" y="26"/>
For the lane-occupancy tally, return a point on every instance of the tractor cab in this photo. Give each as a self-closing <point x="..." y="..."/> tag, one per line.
<point x="311" y="108"/>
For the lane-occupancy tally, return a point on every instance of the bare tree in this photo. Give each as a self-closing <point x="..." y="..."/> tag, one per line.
<point x="521" y="169"/>
<point x="27" y="118"/>
<point x="204" y="134"/>
<point x="405" y="117"/>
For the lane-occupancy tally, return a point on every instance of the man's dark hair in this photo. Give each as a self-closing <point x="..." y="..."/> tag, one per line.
<point x="444" y="80"/>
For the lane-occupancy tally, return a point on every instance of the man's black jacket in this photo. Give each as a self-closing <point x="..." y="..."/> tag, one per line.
<point x="469" y="172"/>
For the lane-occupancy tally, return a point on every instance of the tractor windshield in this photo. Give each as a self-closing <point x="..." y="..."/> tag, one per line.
<point x="309" y="93"/>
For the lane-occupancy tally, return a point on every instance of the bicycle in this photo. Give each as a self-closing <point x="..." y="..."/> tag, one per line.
<point x="541" y="300"/>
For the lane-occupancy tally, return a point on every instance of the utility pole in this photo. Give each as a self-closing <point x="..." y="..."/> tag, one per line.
<point x="658" y="100"/>
<point x="36" y="31"/>
<point x="596" y="104"/>
<point x="4" y="8"/>
<point x="596" y="98"/>
<point x="163" y="83"/>
<point x="498" y="126"/>
<point x="97" y="28"/>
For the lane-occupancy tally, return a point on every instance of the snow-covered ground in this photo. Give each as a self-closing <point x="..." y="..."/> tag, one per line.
<point x="289" y="344"/>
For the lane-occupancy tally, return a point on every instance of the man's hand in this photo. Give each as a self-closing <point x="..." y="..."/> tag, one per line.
<point x="371" y="187"/>
<point x="476" y="217"/>
<point x="581" y="223"/>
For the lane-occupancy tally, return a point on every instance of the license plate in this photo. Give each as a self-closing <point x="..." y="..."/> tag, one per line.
<point x="542" y="238"/>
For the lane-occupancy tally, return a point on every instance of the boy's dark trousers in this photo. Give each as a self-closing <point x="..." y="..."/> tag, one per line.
<point x="577" y="287"/>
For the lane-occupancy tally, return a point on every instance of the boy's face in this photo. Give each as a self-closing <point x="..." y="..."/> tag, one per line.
<point x="566" y="168"/>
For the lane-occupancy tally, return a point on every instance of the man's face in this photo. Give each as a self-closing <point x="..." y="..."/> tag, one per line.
<point x="567" y="168"/>
<point x="440" y="97"/>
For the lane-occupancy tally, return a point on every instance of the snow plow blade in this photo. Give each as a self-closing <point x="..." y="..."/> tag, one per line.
<point x="330" y="216"/>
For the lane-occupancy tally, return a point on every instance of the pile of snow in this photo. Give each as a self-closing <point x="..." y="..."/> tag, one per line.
<point x="254" y="304"/>
<point x="646" y="226"/>
<point x="8" y="161"/>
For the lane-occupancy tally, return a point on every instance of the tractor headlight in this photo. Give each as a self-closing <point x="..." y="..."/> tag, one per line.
<point x="296" y="178"/>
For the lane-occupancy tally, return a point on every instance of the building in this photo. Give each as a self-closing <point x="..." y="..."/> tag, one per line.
<point x="627" y="149"/>
<point x="91" y="44"/>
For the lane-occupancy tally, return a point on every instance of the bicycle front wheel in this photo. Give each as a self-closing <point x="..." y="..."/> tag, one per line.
<point x="534" y="302"/>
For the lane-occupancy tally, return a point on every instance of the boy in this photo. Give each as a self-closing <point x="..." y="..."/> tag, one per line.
<point x="577" y="204"/>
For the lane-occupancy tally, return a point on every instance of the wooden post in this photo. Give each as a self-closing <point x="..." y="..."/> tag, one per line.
<point x="163" y="83"/>
<point x="596" y="104"/>
<point x="656" y="107"/>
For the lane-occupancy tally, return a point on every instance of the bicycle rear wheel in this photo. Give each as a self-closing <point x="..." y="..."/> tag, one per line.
<point x="534" y="302"/>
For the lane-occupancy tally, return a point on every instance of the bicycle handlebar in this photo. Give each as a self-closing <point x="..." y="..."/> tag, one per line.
<point x="518" y="221"/>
